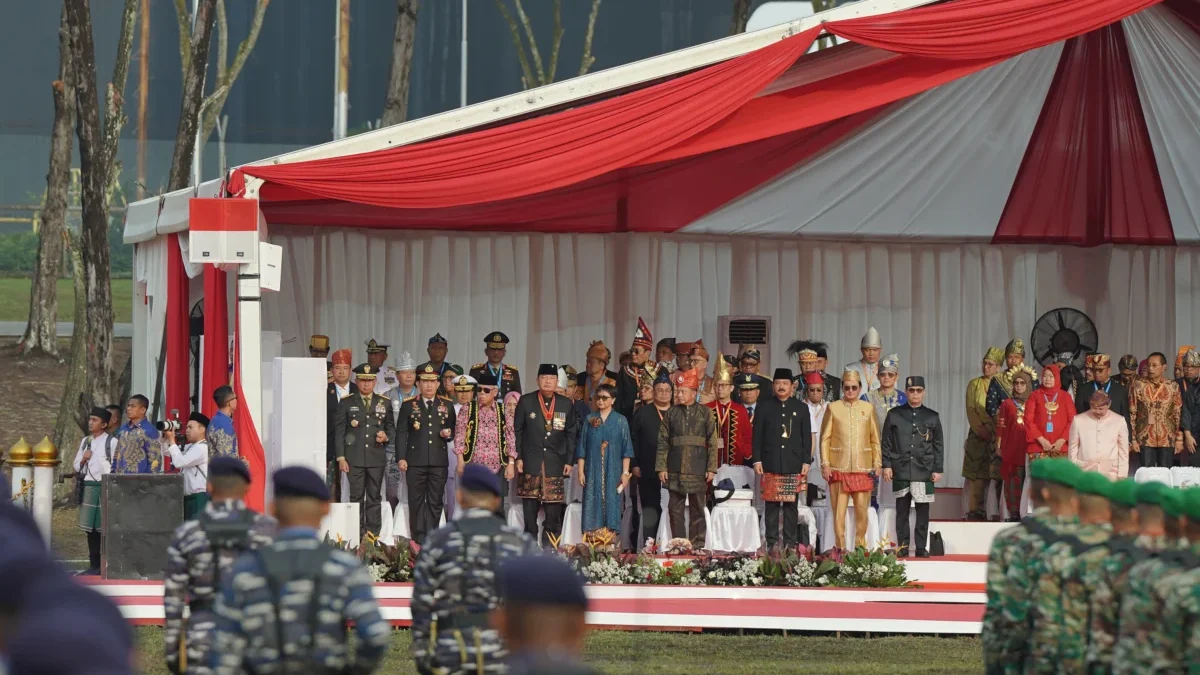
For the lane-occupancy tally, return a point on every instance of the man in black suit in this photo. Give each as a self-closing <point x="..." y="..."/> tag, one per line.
<point x="782" y="456"/>
<point x="339" y="388"/>
<point x="546" y="427"/>
<point x="1100" y="366"/>
<point x="424" y="427"/>
<point x="364" y="426"/>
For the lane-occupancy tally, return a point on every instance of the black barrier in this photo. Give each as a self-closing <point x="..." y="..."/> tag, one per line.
<point x="140" y="512"/>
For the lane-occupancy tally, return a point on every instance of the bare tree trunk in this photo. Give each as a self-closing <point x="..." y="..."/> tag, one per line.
<point x="585" y="63"/>
<point x="395" y="106"/>
<point x="98" y="166"/>
<point x="41" y="335"/>
<point x="226" y="76"/>
<point x="193" y="96"/>
<point x="741" y="15"/>
<point x="69" y="426"/>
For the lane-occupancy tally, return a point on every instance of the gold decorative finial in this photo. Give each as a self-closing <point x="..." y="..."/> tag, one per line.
<point x="45" y="453"/>
<point x="20" y="454"/>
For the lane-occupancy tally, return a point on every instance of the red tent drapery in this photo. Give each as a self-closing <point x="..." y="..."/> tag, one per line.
<point x="214" y="371"/>
<point x="249" y="442"/>
<point x="175" y="370"/>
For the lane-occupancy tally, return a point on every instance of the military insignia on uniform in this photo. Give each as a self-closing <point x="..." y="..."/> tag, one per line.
<point x="416" y="425"/>
<point x="533" y="416"/>
<point x="508" y="374"/>
<point x="380" y="408"/>
<point x="354" y="423"/>
<point x="442" y="408"/>
<point x="560" y="421"/>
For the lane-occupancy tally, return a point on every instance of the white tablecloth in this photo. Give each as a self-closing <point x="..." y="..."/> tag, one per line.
<point x="804" y="516"/>
<point x="400" y="521"/>
<point x="572" y="531"/>
<point x="824" y="515"/>
<point x="664" y="523"/>
<point x="733" y="528"/>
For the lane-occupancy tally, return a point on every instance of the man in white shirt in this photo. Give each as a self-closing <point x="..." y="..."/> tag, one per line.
<point x="814" y="398"/>
<point x="92" y="461"/>
<point x="192" y="462"/>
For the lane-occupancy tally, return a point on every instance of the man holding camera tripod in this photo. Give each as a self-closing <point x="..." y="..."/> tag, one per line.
<point x="191" y="460"/>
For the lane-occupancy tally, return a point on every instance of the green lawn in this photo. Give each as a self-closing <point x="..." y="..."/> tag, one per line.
<point x="14" y="300"/>
<point x="689" y="654"/>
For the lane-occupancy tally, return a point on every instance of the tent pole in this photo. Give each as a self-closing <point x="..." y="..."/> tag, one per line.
<point x="249" y="312"/>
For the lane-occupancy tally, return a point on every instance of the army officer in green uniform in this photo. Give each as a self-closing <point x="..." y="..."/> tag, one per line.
<point x="363" y="425"/>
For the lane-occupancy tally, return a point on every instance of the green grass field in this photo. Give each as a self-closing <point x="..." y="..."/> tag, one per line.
<point x="688" y="654"/>
<point x="14" y="300"/>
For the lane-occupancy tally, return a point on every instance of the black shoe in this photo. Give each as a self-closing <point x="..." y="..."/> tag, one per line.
<point x="89" y="572"/>
<point x="902" y="551"/>
<point x="922" y="554"/>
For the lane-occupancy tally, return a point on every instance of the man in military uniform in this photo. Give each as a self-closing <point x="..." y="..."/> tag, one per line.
<point x="454" y="582"/>
<point x="748" y="363"/>
<point x="436" y="349"/>
<point x="782" y="455"/>
<point x="1180" y="594"/>
<point x="913" y="452"/>
<point x="377" y="358"/>
<point x="687" y="457"/>
<point x="496" y="348"/>
<point x="341" y="387"/>
<point x="318" y="346"/>
<point x="543" y="616"/>
<point x="286" y="608"/>
<point x="199" y="558"/>
<point x="423" y="434"/>
<point x="979" y="450"/>
<point x="364" y="426"/>
<point x="1049" y="622"/>
<point x="545" y="428"/>
<point x="1010" y="591"/>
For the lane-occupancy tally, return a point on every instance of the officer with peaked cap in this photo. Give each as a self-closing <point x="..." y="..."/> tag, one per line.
<point x="363" y="426"/>
<point x="496" y="347"/>
<point x="424" y="432"/>
<point x="454" y="581"/>
<point x="544" y="616"/>
<point x="436" y="349"/>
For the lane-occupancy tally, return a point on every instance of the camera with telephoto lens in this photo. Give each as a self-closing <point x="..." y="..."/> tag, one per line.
<point x="169" y="424"/>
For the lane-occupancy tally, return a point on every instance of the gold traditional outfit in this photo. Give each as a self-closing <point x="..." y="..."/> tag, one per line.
<point x="979" y="448"/>
<point x="850" y="450"/>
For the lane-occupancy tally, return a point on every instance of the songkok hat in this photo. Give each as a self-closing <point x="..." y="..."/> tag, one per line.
<point x="722" y="372"/>
<point x="540" y="581"/>
<point x="1191" y="359"/>
<point x="1097" y="361"/>
<point x="464" y="383"/>
<point x="664" y="375"/>
<point x="496" y="340"/>
<point x="428" y="373"/>
<point x="782" y="374"/>
<point x="597" y="350"/>
<point x="1099" y="398"/>
<point x="199" y="418"/>
<point x="1151" y="492"/>
<point x="814" y="378"/>
<point x="487" y="379"/>
<point x="342" y="357"/>
<point x="642" y="337"/>
<point x="319" y="342"/>
<point x="746" y="381"/>
<point x="1127" y="362"/>
<point x="374" y="347"/>
<point x="365" y="371"/>
<point x="914" y="382"/>
<point x="547" y="369"/>
<point x="478" y="478"/>
<point x="850" y="376"/>
<point x="103" y="413"/>
<point x="228" y="465"/>
<point x="405" y="362"/>
<point x="1179" y="356"/>
<point x="563" y="379"/>
<point x="1171" y="502"/>
<point x="994" y="354"/>
<point x="437" y="339"/>
<point x="890" y="364"/>
<point x="1123" y="492"/>
<point x="683" y="348"/>
<point x="300" y="481"/>
<point x="698" y="349"/>
<point x="871" y="339"/>
<point x="689" y="378"/>
<point x="750" y="353"/>
<point x="1093" y="483"/>
<point x="1015" y="346"/>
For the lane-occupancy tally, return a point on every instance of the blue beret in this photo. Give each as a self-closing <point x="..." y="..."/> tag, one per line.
<point x="229" y="466"/>
<point x="300" y="481"/>
<point x="70" y="629"/>
<point x="543" y="580"/>
<point x="478" y="478"/>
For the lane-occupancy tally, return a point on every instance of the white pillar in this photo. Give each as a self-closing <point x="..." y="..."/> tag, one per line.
<point x="45" y="461"/>
<point x="249" y="309"/>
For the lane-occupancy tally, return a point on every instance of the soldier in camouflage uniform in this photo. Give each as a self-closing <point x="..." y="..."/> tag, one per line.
<point x="1139" y="637"/>
<point x="225" y="528"/>
<point x="1009" y="586"/>
<point x="1055" y="614"/>
<point x="454" y="582"/>
<point x="1180" y="622"/>
<point x="284" y="607"/>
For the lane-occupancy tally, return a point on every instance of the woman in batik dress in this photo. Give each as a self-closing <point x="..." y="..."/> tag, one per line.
<point x="602" y="457"/>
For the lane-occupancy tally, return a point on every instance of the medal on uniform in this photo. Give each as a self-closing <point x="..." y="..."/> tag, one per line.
<point x="416" y="425"/>
<point x="353" y="423"/>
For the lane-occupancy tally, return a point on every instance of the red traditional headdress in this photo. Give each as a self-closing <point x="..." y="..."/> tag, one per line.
<point x="342" y="357"/>
<point x="642" y="337"/>
<point x="689" y="378"/>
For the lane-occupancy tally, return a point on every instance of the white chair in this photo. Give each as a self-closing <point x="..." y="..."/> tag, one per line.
<point x="1185" y="476"/>
<point x="825" y="514"/>
<point x="1158" y="474"/>
<point x="734" y="525"/>
<point x="664" y="523"/>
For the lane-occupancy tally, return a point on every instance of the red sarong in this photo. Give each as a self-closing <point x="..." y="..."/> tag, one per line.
<point x="853" y="482"/>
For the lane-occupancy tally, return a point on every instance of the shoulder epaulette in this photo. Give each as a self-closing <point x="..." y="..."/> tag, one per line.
<point x="512" y="368"/>
<point x="384" y="397"/>
<point x="477" y="366"/>
<point x="444" y="398"/>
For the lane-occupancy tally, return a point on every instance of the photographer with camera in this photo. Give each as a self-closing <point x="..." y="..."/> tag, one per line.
<point x="192" y="460"/>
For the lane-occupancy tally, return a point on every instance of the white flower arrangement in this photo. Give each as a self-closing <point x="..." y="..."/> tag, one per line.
<point x="803" y="573"/>
<point x="377" y="572"/>
<point x="606" y="571"/>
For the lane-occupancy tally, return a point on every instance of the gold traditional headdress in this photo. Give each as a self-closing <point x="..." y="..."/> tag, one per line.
<point x="722" y="372"/>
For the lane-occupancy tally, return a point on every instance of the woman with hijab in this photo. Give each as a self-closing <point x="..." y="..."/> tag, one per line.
<point x="1010" y="431"/>
<point x="603" y="456"/>
<point x="1048" y="414"/>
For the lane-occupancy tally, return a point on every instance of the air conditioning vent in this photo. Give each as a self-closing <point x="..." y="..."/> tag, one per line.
<point x="746" y="330"/>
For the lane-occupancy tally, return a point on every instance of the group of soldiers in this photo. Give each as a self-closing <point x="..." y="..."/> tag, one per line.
<point x="1102" y="577"/>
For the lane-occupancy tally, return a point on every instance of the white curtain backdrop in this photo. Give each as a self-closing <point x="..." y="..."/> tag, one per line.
<point x="937" y="306"/>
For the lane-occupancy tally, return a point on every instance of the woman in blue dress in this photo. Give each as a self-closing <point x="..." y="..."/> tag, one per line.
<point x="602" y="459"/>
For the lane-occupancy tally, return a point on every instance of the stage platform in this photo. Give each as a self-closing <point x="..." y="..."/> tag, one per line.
<point x="951" y="601"/>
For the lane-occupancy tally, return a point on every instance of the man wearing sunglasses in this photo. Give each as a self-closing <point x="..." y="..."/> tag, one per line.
<point x="850" y="458"/>
<point x="912" y="459"/>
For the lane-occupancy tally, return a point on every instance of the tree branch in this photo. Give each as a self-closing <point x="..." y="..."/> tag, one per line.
<point x="558" y="35"/>
<point x="533" y="48"/>
<point x="395" y="104"/>
<point x="527" y="78"/>
<point x="185" y="37"/>
<point x="586" y="61"/>
<point x="114" y="95"/>
<point x="193" y="96"/>
<point x="741" y="15"/>
<point x="216" y="101"/>
<point x="222" y="41"/>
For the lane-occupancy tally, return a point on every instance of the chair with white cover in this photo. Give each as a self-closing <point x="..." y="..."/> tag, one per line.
<point x="1157" y="474"/>
<point x="826" y="519"/>
<point x="664" y="523"/>
<point x="733" y="525"/>
<point x="1185" y="476"/>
